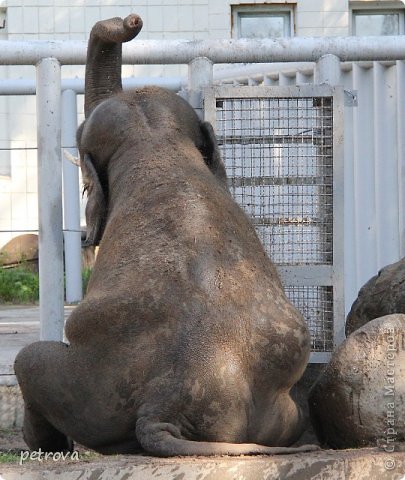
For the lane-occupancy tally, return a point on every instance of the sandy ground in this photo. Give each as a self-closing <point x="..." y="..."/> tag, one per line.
<point x="11" y="441"/>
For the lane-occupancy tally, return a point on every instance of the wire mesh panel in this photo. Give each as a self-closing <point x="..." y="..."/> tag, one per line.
<point x="316" y="305"/>
<point x="279" y="154"/>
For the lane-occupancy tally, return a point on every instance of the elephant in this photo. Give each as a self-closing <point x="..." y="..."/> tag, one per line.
<point x="185" y="342"/>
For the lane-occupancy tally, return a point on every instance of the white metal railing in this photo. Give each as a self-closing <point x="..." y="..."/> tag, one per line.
<point x="294" y="49"/>
<point x="49" y="56"/>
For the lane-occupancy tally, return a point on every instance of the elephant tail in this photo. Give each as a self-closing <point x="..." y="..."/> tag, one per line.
<point x="165" y="440"/>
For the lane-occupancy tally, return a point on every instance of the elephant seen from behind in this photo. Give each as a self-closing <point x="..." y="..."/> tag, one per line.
<point x="185" y="343"/>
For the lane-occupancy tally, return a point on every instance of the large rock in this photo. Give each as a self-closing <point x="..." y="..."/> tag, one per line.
<point x="382" y="295"/>
<point x="20" y="250"/>
<point x="359" y="400"/>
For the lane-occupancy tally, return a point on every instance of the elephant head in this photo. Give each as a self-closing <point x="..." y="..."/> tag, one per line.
<point x="103" y="82"/>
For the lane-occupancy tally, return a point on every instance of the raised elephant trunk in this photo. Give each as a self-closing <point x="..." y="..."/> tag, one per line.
<point x="104" y="57"/>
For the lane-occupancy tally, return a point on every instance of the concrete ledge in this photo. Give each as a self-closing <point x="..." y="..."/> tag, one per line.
<point x="359" y="464"/>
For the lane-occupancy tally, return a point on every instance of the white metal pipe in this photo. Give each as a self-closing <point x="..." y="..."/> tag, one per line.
<point x="349" y="199"/>
<point x="294" y="49"/>
<point x="401" y="152"/>
<point x="252" y="82"/>
<point x="364" y="177"/>
<point x="285" y="80"/>
<point x="303" y="77"/>
<point x="327" y="70"/>
<point x="385" y="147"/>
<point x="71" y="201"/>
<point x="49" y="199"/>
<point x="28" y="87"/>
<point x="200" y="75"/>
<point x="267" y="81"/>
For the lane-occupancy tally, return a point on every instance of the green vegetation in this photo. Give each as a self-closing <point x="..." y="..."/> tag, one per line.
<point x="18" y="285"/>
<point x="16" y="456"/>
<point x="9" y="457"/>
<point x="85" y="278"/>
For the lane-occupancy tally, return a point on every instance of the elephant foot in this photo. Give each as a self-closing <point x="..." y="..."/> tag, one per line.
<point x="39" y="434"/>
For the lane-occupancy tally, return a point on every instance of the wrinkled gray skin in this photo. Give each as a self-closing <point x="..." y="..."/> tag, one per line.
<point x="185" y="343"/>
<point x="382" y="295"/>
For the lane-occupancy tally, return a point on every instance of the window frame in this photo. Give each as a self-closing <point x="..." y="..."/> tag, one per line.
<point x="377" y="8"/>
<point x="257" y="10"/>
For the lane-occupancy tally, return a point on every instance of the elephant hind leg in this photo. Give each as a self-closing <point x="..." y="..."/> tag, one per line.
<point x="40" y="368"/>
<point x="40" y="434"/>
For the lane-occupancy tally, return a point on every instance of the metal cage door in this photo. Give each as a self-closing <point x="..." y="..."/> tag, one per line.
<point x="283" y="152"/>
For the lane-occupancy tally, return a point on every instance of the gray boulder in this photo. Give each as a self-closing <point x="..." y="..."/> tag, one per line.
<point x="382" y="295"/>
<point x="359" y="400"/>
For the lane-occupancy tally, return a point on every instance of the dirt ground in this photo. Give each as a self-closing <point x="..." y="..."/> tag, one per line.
<point x="11" y="440"/>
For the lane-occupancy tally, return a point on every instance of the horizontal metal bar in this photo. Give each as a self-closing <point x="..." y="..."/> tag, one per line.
<point x="279" y="181"/>
<point x="320" y="357"/>
<point x="274" y="139"/>
<point x="28" y="87"/>
<point x="306" y="275"/>
<point x="264" y="221"/>
<point x="138" y="52"/>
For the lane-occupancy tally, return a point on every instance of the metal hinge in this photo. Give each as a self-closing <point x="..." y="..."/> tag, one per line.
<point x="351" y="99"/>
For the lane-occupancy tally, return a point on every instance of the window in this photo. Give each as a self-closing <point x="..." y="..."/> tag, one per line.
<point x="377" y="21"/>
<point x="2" y="18"/>
<point x="262" y="21"/>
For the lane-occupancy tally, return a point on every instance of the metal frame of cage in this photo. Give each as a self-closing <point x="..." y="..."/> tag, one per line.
<point x="283" y="150"/>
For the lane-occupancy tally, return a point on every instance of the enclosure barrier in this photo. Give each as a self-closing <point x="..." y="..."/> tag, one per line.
<point x="374" y="156"/>
<point x="150" y="52"/>
<point x="200" y="55"/>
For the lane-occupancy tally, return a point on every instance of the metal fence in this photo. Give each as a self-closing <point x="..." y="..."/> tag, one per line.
<point x="282" y="147"/>
<point x="374" y="155"/>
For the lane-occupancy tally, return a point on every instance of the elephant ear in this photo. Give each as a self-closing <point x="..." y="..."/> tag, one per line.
<point x="211" y="154"/>
<point x="96" y="208"/>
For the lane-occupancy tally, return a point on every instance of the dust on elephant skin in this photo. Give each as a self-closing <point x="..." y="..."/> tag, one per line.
<point x="185" y="343"/>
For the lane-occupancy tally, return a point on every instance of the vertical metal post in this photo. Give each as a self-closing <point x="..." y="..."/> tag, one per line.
<point x="50" y="199"/>
<point x="401" y="152"/>
<point x="71" y="201"/>
<point x="200" y="75"/>
<point x="338" y="218"/>
<point x="327" y="70"/>
<point x="268" y="81"/>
